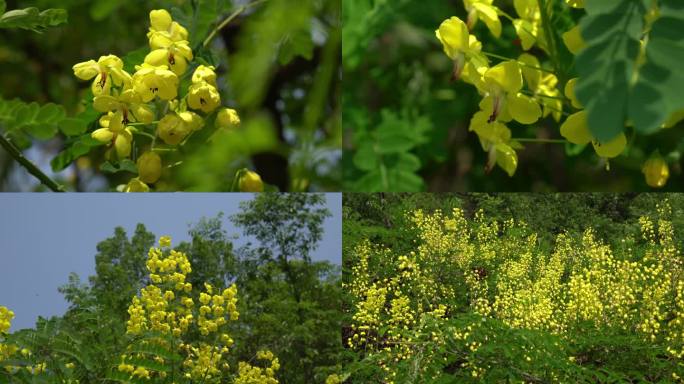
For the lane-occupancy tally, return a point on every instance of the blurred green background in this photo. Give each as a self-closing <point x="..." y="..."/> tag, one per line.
<point x="406" y="123"/>
<point x="278" y="65"/>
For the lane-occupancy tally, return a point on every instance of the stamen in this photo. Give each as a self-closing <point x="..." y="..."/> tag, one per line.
<point x="172" y="60"/>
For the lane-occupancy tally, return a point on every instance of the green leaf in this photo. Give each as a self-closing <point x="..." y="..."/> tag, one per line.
<point x="76" y="148"/>
<point x="33" y="19"/>
<point x="125" y="165"/>
<point x="205" y="15"/>
<point x="73" y="126"/>
<point x="3" y="6"/>
<point x="298" y="43"/>
<point x="134" y="58"/>
<point x="606" y="65"/>
<point x="657" y="93"/>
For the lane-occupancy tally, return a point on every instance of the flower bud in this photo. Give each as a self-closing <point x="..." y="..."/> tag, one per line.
<point x="250" y="182"/>
<point x="149" y="167"/>
<point x="656" y="171"/>
<point x="135" y="185"/>
<point x="227" y="118"/>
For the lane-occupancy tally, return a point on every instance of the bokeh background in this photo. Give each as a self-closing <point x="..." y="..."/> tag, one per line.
<point x="397" y="87"/>
<point x="279" y="69"/>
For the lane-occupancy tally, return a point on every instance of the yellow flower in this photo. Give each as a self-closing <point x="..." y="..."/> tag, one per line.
<point x="250" y="182"/>
<point x="174" y="127"/>
<point x="656" y="172"/>
<point x="576" y="131"/>
<point x="495" y="139"/>
<point x="462" y="48"/>
<point x="135" y="185"/>
<point x="203" y="96"/>
<point x="114" y="131"/>
<point x="503" y="83"/>
<point x="149" y="167"/>
<point x="163" y="30"/>
<point x="175" y="57"/>
<point x="151" y="81"/>
<point x="527" y="26"/>
<point x="204" y="73"/>
<point x="227" y="118"/>
<point x="129" y="103"/>
<point x="542" y="85"/>
<point x="570" y="93"/>
<point x="485" y="11"/>
<point x="105" y="70"/>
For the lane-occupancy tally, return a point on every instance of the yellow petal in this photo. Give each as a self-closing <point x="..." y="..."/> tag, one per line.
<point x="103" y="135"/>
<point x="105" y="103"/>
<point x="526" y="32"/>
<point x="488" y="14"/>
<point x="573" y="40"/>
<point x="454" y="35"/>
<point x="570" y="93"/>
<point x="135" y="185"/>
<point x="523" y="108"/>
<point x="489" y="133"/>
<point x="506" y="76"/>
<point x="158" y="57"/>
<point x="160" y="19"/>
<point x="506" y="158"/>
<point x="656" y="172"/>
<point x="612" y="148"/>
<point x="575" y="129"/>
<point x="100" y="87"/>
<point x="250" y="182"/>
<point x="227" y="118"/>
<point x="86" y="70"/>
<point x="149" y="167"/>
<point x="530" y="73"/>
<point x="122" y="143"/>
<point x="526" y="9"/>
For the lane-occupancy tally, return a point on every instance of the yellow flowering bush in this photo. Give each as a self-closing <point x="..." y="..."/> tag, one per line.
<point x="476" y="294"/>
<point x="167" y="313"/>
<point x="149" y="115"/>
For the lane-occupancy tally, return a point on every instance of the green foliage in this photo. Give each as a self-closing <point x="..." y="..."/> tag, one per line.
<point x="31" y="18"/>
<point x="385" y="157"/>
<point x="40" y="121"/>
<point x="458" y="343"/>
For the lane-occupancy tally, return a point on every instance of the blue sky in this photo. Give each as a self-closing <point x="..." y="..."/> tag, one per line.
<point x="44" y="237"/>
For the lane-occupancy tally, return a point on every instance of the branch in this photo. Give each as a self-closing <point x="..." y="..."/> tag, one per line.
<point x="30" y="167"/>
<point x="229" y="19"/>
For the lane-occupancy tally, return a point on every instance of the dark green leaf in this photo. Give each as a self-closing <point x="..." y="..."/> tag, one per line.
<point x="33" y="19"/>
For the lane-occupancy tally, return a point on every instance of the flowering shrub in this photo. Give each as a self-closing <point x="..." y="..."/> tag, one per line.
<point x="481" y="300"/>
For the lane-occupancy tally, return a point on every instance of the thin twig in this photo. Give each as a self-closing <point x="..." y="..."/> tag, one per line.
<point x="29" y="166"/>
<point x="229" y="19"/>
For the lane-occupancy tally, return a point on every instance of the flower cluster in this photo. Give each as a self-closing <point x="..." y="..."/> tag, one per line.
<point x="250" y="374"/>
<point x="6" y="316"/>
<point x="522" y="89"/>
<point x="147" y="104"/>
<point x="500" y="271"/>
<point x="169" y="307"/>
